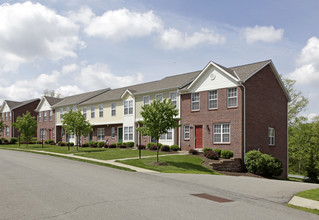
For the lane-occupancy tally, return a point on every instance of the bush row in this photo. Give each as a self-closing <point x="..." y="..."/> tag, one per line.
<point x="165" y="148"/>
<point x="105" y="145"/>
<point x="214" y="154"/>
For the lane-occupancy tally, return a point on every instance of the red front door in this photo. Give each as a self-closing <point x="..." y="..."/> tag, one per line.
<point x="198" y="136"/>
<point x="50" y="134"/>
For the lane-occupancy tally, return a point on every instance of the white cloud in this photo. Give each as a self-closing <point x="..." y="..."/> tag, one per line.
<point x="69" y="68"/>
<point x="262" y="33"/>
<point x="68" y="90"/>
<point x="32" y="31"/>
<point x="307" y="71"/>
<point x="118" y="24"/>
<point x="173" y="38"/>
<point x="100" y="76"/>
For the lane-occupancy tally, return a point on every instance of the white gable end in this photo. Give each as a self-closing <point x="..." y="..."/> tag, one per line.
<point x="213" y="78"/>
<point x="45" y="106"/>
<point x="6" y="108"/>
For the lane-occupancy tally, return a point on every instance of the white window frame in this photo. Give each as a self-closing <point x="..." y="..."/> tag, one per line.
<point x="101" y="110"/>
<point x="92" y="111"/>
<point x="173" y="97"/>
<point x="67" y="109"/>
<point x="186" y="132"/>
<point x="61" y="113"/>
<point x="113" y="109"/>
<point x="195" y="100"/>
<point x="50" y="115"/>
<point x="84" y="112"/>
<point x="74" y="108"/>
<point x="232" y="93"/>
<point x="113" y="132"/>
<point x="7" y="131"/>
<point x="159" y="97"/>
<point x="39" y="116"/>
<point x="5" y="116"/>
<point x="168" y="135"/>
<point x="128" y="133"/>
<point x="128" y="107"/>
<point x="148" y="100"/>
<point x="42" y="134"/>
<point x="271" y="136"/>
<point x="45" y="115"/>
<point x="100" y="134"/>
<point x="212" y="98"/>
<point x="9" y="116"/>
<point x="222" y="132"/>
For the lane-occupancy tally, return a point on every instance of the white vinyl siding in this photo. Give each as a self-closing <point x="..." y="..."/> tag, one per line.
<point x="186" y="132"/>
<point x="128" y="107"/>
<point x="213" y="99"/>
<point x="232" y="97"/>
<point x="113" y="109"/>
<point x="61" y="113"/>
<point x="195" y="101"/>
<point x="146" y="100"/>
<point x="101" y="107"/>
<point x="128" y="133"/>
<point x="271" y="136"/>
<point x="221" y="133"/>
<point x="92" y="111"/>
<point x="100" y="134"/>
<point x="173" y="97"/>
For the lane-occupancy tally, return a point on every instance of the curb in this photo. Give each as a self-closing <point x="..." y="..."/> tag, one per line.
<point x="303" y="202"/>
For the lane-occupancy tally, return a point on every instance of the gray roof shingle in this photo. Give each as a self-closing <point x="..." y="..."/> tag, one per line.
<point x="53" y="100"/>
<point x="245" y="71"/>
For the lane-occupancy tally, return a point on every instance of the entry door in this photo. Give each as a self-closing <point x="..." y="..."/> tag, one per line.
<point x="120" y="137"/>
<point x="198" y="136"/>
<point x="91" y="137"/>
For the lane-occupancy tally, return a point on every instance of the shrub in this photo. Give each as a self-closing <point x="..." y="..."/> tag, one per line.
<point x="13" y="140"/>
<point x="175" y="147"/>
<point x="4" y="141"/>
<point x="0" y="141"/>
<point x="141" y="147"/>
<point x="117" y="144"/>
<point x="62" y="144"/>
<point x="211" y="155"/>
<point x="150" y="144"/>
<point x="153" y="147"/>
<point x="85" y="145"/>
<point x="100" y="144"/>
<point x="130" y="144"/>
<point x="207" y="149"/>
<point x="226" y="154"/>
<point x="93" y="144"/>
<point x="112" y="145"/>
<point x="263" y="164"/>
<point x="165" y="148"/>
<point x="218" y="151"/>
<point x="193" y="151"/>
<point x="122" y="145"/>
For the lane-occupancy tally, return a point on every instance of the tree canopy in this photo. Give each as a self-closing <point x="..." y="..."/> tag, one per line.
<point x="26" y="125"/>
<point x="158" y="118"/>
<point x="2" y="126"/>
<point x="74" y="123"/>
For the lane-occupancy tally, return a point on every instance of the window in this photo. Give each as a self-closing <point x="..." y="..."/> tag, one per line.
<point x="221" y="133"/>
<point x="146" y="100"/>
<point x="113" y="132"/>
<point x="159" y="97"/>
<point x="186" y="132"/>
<point x="173" y="97"/>
<point x="195" y="102"/>
<point x="92" y="111"/>
<point x="113" y="109"/>
<point x="50" y="115"/>
<point x="9" y="116"/>
<point x="42" y="134"/>
<point x="45" y="116"/>
<point x="53" y="133"/>
<point x="128" y="107"/>
<point x="5" y="116"/>
<point x="39" y="116"/>
<point x="61" y="113"/>
<point x="74" y="108"/>
<point x="100" y="134"/>
<point x="84" y="112"/>
<point x="271" y="136"/>
<point x="232" y="97"/>
<point x="212" y="99"/>
<point x="168" y="135"/>
<point x="128" y="133"/>
<point x="101" y="110"/>
<point x="7" y="131"/>
<point x="67" y="109"/>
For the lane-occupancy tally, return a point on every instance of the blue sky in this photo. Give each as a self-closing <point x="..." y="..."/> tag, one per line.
<point x="78" y="46"/>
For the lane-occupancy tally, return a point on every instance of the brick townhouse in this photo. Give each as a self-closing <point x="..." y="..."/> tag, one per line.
<point x="46" y="118"/>
<point x="11" y="110"/>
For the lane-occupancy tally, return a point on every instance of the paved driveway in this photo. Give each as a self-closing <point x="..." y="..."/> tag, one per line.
<point x="36" y="186"/>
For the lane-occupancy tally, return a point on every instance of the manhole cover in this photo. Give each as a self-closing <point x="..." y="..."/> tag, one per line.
<point x="213" y="198"/>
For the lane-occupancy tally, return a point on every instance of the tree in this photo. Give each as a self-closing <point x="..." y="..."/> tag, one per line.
<point x="51" y="93"/>
<point x="297" y="103"/>
<point x="26" y="125"/>
<point x="74" y="123"/>
<point x="158" y="118"/>
<point x="2" y="126"/>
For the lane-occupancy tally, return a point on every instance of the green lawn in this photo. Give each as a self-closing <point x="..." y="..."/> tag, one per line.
<point x="314" y="211"/>
<point x="310" y="194"/>
<point x="175" y="164"/>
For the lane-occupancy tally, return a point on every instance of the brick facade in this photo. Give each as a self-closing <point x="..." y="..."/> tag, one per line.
<point x="48" y="125"/>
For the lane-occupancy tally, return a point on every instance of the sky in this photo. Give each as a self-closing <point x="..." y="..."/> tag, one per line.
<point x="77" y="46"/>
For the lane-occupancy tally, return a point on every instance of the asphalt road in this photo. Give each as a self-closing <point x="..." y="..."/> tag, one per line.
<point x="34" y="186"/>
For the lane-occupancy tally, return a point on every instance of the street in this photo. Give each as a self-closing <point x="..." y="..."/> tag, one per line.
<point x="34" y="186"/>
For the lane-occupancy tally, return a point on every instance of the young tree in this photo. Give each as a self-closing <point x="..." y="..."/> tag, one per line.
<point x="158" y="118"/>
<point x="2" y="126"/>
<point x="26" y="125"/>
<point x="74" y="123"/>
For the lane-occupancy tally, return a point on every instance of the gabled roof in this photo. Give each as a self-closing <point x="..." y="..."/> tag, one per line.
<point x="170" y="82"/>
<point x="14" y="104"/>
<point x="77" y="99"/>
<point x="53" y="100"/>
<point x="244" y="72"/>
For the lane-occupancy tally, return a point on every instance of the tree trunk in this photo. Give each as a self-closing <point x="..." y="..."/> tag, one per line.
<point x="157" y="150"/>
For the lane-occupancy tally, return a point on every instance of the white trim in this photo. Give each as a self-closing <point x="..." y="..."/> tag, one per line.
<point x="189" y="132"/>
<point x="149" y="99"/>
<point x="174" y="92"/>
<point x="232" y="97"/>
<point x="195" y="110"/>
<point x="159" y="95"/>
<point x="127" y="91"/>
<point x="221" y="133"/>
<point x="212" y="99"/>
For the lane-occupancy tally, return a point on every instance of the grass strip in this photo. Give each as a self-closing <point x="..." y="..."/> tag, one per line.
<point x="310" y="194"/>
<point x="314" y="211"/>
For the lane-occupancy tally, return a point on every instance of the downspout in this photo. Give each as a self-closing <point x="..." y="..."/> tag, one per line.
<point x="179" y="128"/>
<point x="244" y="119"/>
<point x="12" y="120"/>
